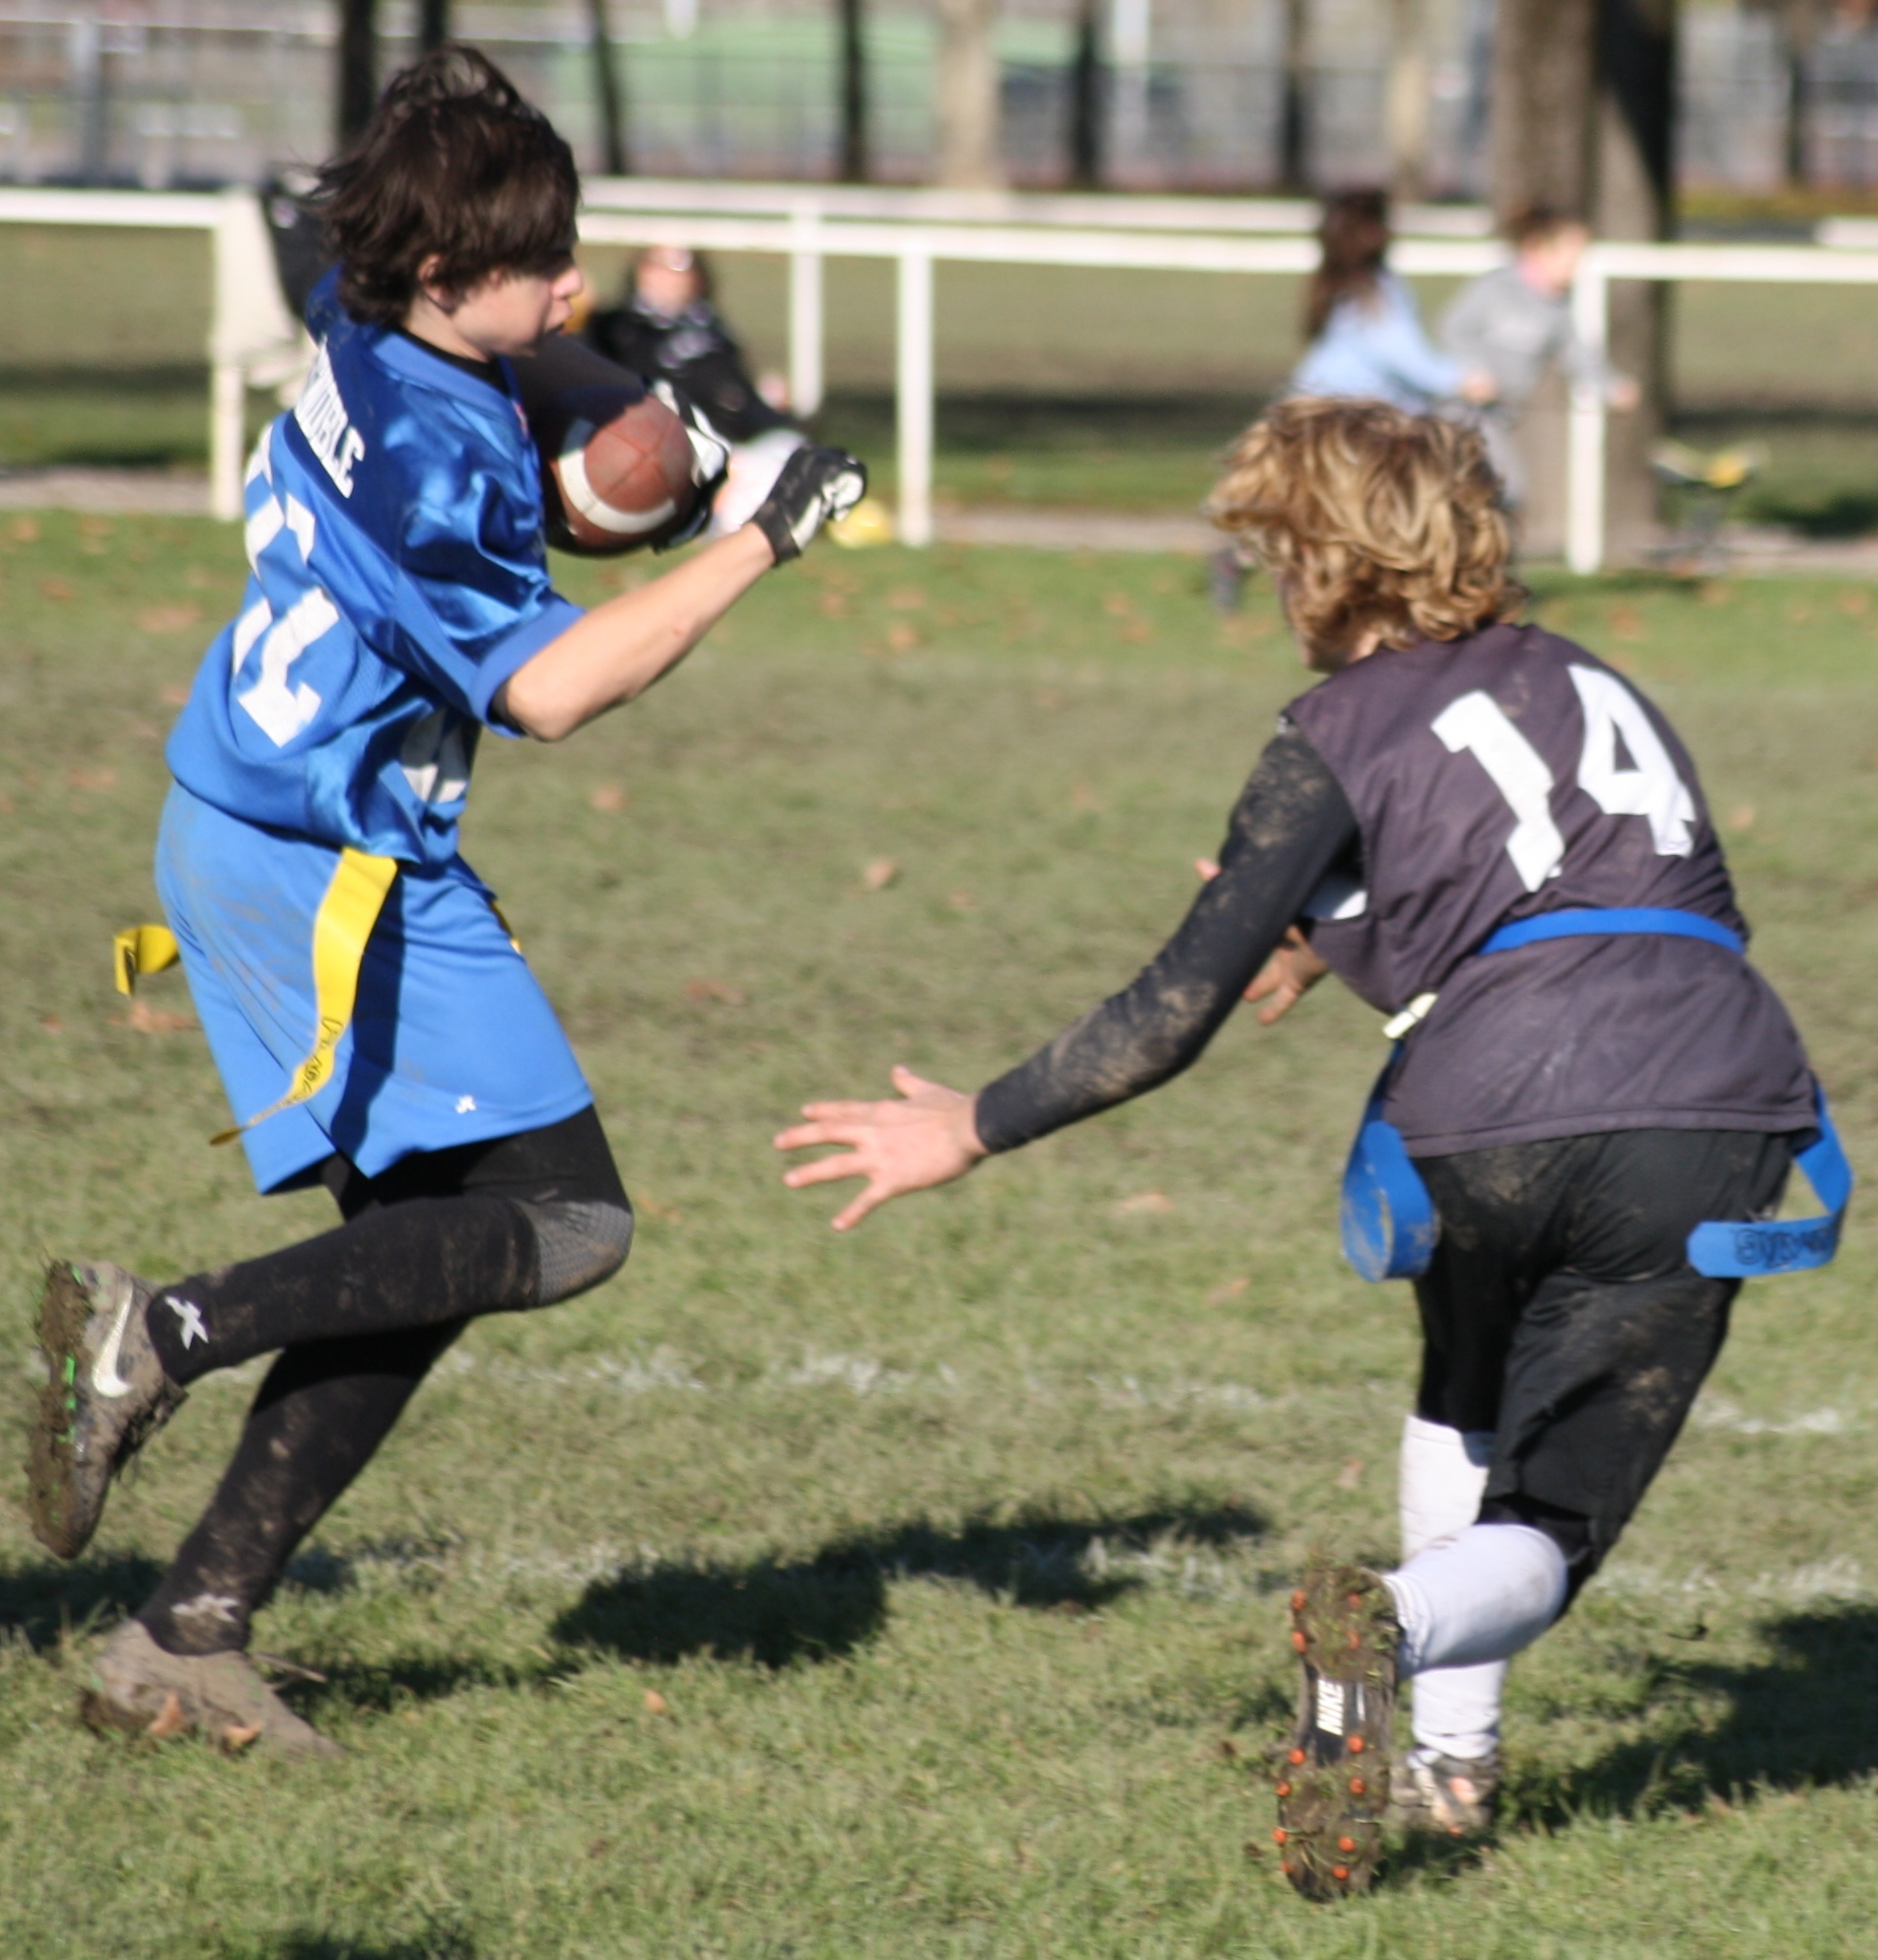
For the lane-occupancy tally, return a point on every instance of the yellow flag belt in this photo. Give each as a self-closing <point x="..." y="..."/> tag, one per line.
<point x="341" y="928"/>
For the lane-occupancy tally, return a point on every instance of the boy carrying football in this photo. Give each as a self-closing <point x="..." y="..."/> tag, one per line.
<point x="1499" y="843"/>
<point x="375" y="1028"/>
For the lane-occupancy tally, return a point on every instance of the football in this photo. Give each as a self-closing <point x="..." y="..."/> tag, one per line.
<point x="616" y="464"/>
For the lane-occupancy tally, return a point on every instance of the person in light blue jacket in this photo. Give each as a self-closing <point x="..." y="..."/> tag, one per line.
<point x="1362" y="323"/>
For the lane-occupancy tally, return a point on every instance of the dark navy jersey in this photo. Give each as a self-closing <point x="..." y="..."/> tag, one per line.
<point x="1510" y="774"/>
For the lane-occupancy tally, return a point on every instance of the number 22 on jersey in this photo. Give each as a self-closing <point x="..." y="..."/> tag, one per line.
<point x="1648" y="785"/>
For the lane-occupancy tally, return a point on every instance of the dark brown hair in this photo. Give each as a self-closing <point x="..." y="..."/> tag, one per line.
<point x="454" y="165"/>
<point x="1532" y="223"/>
<point x="1368" y="518"/>
<point x="1354" y="238"/>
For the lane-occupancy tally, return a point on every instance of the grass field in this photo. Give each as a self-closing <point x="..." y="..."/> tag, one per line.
<point x="917" y="1594"/>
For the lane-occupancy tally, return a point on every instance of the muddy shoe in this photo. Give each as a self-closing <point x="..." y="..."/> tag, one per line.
<point x="105" y="1396"/>
<point x="136" y="1685"/>
<point x="1332" y="1786"/>
<point x="1443" y="1795"/>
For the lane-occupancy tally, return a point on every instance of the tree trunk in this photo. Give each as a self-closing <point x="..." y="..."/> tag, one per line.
<point x="854" y="93"/>
<point x="433" y="24"/>
<point x="1634" y="198"/>
<point x="968" y="95"/>
<point x="1406" y="106"/>
<point x="1539" y="139"/>
<point x="358" y="91"/>
<point x="1085" y="101"/>
<point x="607" y="93"/>
<point x="1293" y="135"/>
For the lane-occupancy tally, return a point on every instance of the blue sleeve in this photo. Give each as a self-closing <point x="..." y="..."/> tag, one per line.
<point x="1401" y="348"/>
<point x="471" y="601"/>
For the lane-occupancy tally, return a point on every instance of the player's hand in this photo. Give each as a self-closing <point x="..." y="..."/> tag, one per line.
<point x="1477" y="386"/>
<point x="1292" y="970"/>
<point x="1623" y="394"/>
<point x="930" y="1138"/>
<point x="710" y="464"/>
<point x="815" y="486"/>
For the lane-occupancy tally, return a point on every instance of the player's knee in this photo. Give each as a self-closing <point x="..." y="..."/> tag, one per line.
<point x="578" y="1244"/>
<point x="1580" y="1541"/>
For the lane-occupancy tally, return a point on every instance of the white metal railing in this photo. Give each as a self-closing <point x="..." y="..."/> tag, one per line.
<point x="250" y="326"/>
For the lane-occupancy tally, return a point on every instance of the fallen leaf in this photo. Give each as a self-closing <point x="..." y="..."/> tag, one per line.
<point x="239" y="1734"/>
<point x="834" y="605"/>
<point x="54" y="589"/>
<point x="25" y="530"/>
<point x="146" y="1019"/>
<point x="655" y="1210"/>
<point x="1741" y="817"/>
<point x="169" y="618"/>
<point x="961" y="901"/>
<point x="906" y="598"/>
<point x="198" y="577"/>
<point x="1230" y="1290"/>
<point x="878" y="872"/>
<point x="1228" y="1749"/>
<point x="1627" y="623"/>
<point x="608" y="796"/>
<point x="1854" y="602"/>
<point x="173" y="696"/>
<point x="1082" y="798"/>
<point x="168" y="1719"/>
<point x="51" y="1023"/>
<point x="656" y="1703"/>
<point x="91" y="778"/>
<point x="1156" y="1202"/>
<point x="1138" y="631"/>
<point x="716" y="990"/>
<point x="902" y="638"/>
<point x="1118" y="606"/>
<point x="1350" y="1476"/>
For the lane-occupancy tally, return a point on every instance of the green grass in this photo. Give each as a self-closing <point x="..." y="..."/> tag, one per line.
<point x="917" y="1594"/>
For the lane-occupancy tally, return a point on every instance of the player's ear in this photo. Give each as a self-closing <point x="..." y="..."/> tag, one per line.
<point x="444" y="298"/>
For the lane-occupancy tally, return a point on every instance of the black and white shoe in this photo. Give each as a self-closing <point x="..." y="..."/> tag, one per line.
<point x="1447" y="1796"/>
<point x="1332" y="1785"/>
<point x="105" y="1396"/>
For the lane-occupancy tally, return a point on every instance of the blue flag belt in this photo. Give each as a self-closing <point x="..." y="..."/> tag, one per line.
<point x="1389" y="1224"/>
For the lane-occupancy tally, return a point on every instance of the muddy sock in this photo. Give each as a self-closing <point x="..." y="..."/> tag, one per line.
<point x="417" y="1264"/>
<point x="320" y="1416"/>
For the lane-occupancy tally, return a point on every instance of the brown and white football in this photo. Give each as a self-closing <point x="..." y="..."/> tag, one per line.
<point x="616" y="464"/>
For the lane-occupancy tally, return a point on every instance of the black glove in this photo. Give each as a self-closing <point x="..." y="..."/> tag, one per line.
<point x="710" y="465"/>
<point x="814" y="484"/>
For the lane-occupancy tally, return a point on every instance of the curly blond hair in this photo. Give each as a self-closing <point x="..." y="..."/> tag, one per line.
<point x="1370" y="520"/>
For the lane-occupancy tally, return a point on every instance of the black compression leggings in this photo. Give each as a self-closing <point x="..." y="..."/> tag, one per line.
<point x="426" y="1246"/>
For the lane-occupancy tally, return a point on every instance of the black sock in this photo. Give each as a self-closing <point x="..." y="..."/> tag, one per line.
<point x="401" y="1266"/>
<point x="322" y="1413"/>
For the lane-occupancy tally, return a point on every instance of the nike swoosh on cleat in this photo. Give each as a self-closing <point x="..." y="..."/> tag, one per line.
<point x="105" y="1377"/>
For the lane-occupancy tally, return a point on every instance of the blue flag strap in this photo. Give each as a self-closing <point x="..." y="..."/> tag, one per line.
<point x="1588" y="921"/>
<point x="1389" y="1226"/>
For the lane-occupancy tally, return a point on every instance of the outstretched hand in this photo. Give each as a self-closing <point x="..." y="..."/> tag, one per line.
<point x="1292" y="970"/>
<point x="929" y="1137"/>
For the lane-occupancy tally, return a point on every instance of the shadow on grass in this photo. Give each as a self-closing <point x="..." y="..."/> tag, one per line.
<point x="1794" y="1720"/>
<point x="825" y="1607"/>
<point x="442" y="1946"/>
<point x="42" y="1600"/>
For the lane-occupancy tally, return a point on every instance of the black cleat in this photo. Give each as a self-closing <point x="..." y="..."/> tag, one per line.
<point x="105" y="1397"/>
<point x="1333" y="1787"/>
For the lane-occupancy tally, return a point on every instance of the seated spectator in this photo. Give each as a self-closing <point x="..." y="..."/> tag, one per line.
<point x="1517" y="321"/>
<point x="666" y="329"/>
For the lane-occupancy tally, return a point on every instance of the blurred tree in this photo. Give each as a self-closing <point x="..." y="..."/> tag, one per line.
<point x="1085" y="99"/>
<point x="1406" y="103"/>
<point x="606" y="90"/>
<point x="1798" y="22"/>
<point x="358" y="91"/>
<point x="1293" y="135"/>
<point x="432" y="24"/>
<point x="968" y="95"/>
<point x="1583" y="110"/>
<point x="854" y="92"/>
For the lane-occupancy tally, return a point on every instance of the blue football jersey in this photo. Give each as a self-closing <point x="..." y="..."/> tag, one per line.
<point x="398" y="578"/>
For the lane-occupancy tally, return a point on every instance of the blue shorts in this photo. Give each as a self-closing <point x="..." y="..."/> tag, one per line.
<point x="453" y="1040"/>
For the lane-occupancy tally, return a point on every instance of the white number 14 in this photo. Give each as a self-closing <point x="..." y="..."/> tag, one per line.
<point x="1649" y="786"/>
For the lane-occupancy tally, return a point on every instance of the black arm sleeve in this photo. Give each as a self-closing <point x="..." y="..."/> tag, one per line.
<point x="1292" y="825"/>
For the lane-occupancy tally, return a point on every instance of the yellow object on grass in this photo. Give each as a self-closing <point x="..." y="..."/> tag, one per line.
<point x="868" y="522"/>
